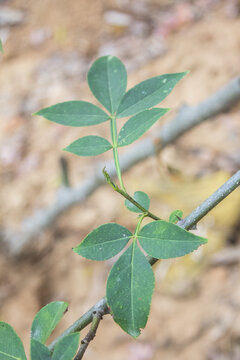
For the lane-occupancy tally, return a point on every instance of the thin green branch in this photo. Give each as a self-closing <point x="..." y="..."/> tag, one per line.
<point x="195" y="216"/>
<point x="128" y="197"/>
<point x="139" y="224"/>
<point x="97" y="316"/>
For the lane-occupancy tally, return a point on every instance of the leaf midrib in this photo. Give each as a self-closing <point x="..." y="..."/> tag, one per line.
<point x="144" y="98"/>
<point x="11" y="356"/>
<point x="109" y="88"/>
<point x="91" y="146"/>
<point x="107" y="242"/>
<point x="170" y="240"/>
<point x="132" y="260"/>
<point x="52" y="328"/>
<point x="72" y="114"/>
<point x="143" y="126"/>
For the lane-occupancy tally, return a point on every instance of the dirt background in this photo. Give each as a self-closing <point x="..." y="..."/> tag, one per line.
<point x="48" y="48"/>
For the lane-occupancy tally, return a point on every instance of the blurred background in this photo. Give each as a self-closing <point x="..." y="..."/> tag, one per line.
<point x="49" y="46"/>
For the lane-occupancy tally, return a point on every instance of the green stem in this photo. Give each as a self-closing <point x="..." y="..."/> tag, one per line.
<point x="128" y="197"/>
<point x="115" y="150"/>
<point x="139" y="224"/>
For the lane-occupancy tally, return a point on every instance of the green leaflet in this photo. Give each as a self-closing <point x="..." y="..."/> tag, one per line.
<point x="67" y="347"/>
<point x="107" y="79"/>
<point x="11" y="347"/>
<point x="104" y="242"/>
<point x="89" y="146"/>
<point x="129" y="290"/>
<point x="137" y="125"/>
<point x="74" y="113"/>
<point x="148" y="94"/>
<point x="47" y="319"/>
<point x="39" y="351"/>
<point x="173" y="218"/>
<point x="1" y="47"/>
<point x="142" y="198"/>
<point x="164" y="240"/>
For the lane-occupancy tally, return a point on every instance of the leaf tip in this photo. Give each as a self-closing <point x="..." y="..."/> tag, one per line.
<point x="134" y="333"/>
<point x="75" y="249"/>
<point x="205" y="241"/>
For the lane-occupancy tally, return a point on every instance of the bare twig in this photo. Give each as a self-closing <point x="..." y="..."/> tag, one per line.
<point x="97" y="316"/>
<point x="187" y="118"/>
<point x="187" y="223"/>
<point x="100" y="308"/>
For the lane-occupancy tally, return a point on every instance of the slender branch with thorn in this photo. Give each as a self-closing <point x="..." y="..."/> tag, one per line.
<point x="15" y="242"/>
<point x="192" y="219"/>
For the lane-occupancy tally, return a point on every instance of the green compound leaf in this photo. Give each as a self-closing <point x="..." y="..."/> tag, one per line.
<point x="148" y="94"/>
<point x="138" y="125"/>
<point x="47" y="319"/>
<point x="173" y="218"/>
<point x="39" y="351"/>
<point x="107" y="79"/>
<point x="89" y="146"/>
<point x="142" y="198"/>
<point x="66" y="348"/>
<point x="104" y="242"/>
<point x="74" y="113"/>
<point x="11" y="347"/>
<point x="164" y="240"/>
<point x="129" y="290"/>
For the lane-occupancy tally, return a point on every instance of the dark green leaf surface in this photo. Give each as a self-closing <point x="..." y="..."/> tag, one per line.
<point x="39" y="351"/>
<point x="142" y="198"/>
<point x="104" y="242"/>
<point x="89" y="146"/>
<point x="138" y="125"/>
<point x="11" y="347"/>
<point x="148" y="94"/>
<point x="47" y="319"/>
<point x="107" y="80"/>
<point x="129" y="290"/>
<point x="74" y="113"/>
<point x="164" y="240"/>
<point x="173" y="216"/>
<point x="66" y="348"/>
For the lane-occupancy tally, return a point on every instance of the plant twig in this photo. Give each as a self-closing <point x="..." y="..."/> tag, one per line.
<point x="97" y="316"/>
<point x="14" y="242"/>
<point x="128" y="197"/>
<point x="100" y="307"/>
<point x="186" y="223"/>
<point x="64" y="171"/>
